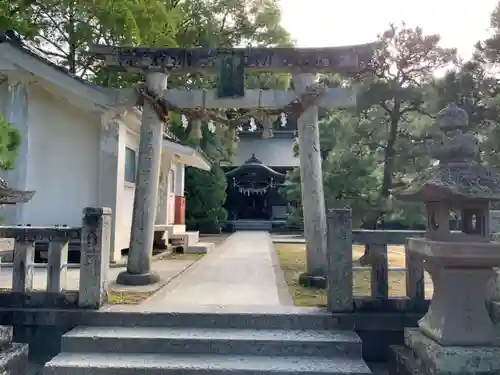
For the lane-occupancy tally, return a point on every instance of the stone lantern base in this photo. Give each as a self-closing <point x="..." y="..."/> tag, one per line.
<point x="460" y="272"/>
<point x="456" y="336"/>
<point x="422" y="355"/>
<point x="457" y="314"/>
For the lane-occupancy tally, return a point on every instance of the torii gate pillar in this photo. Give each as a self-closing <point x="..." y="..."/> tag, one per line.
<point x="146" y="191"/>
<point x="311" y="177"/>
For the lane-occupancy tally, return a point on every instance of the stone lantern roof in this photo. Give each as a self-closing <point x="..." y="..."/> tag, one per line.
<point x="458" y="176"/>
<point x="12" y="196"/>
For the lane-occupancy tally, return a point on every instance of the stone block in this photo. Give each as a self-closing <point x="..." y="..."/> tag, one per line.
<point x="185" y="239"/>
<point x="402" y="361"/>
<point x="5" y="336"/>
<point x="423" y="355"/>
<point x="199" y="248"/>
<point x="14" y="359"/>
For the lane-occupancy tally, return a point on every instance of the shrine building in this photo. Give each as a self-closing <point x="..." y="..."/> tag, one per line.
<point x="256" y="174"/>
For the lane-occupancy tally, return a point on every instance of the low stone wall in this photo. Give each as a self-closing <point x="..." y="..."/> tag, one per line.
<point x="94" y="236"/>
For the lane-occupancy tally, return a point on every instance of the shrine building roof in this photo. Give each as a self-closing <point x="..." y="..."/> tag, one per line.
<point x="255" y="164"/>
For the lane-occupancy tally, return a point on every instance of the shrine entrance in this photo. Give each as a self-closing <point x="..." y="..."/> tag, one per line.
<point x="253" y="192"/>
<point x="253" y="206"/>
<point x="218" y="107"/>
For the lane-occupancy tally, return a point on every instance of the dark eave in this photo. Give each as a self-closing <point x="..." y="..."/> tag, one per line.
<point x="255" y="164"/>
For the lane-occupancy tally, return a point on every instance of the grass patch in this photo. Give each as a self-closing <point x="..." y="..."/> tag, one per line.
<point x="114" y="297"/>
<point x="293" y="263"/>
<point x="128" y="297"/>
<point x="186" y="256"/>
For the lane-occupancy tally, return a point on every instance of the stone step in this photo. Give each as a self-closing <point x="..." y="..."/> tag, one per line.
<point x="199" y="248"/>
<point x="158" y="340"/>
<point x="193" y="237"/>
<point x="196" y="364"/>
<point x="186" y="238"/>
<point x="252" y="226"/>
<point x="175" y="229"/>
<point x="293" y="318"/>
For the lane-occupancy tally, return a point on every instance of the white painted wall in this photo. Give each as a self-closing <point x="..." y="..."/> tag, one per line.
<point x="63" y="160"/>
<point x="277" y="152"/>
<point x="126" y="190"/>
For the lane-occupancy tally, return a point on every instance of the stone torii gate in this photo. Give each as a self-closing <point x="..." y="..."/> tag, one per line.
<point x="303" y="100"/>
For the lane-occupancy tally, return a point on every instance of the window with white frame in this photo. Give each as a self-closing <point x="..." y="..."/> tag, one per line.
<point x="130" y="165"/>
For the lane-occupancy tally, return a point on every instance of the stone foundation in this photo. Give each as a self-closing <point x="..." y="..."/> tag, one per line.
<point x="14" y="359"/>
<point x="423" y="356"/>
<point x="13" y="356"/>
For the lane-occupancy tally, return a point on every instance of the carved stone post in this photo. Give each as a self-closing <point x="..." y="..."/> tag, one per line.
<point x="94" y="264"/>
<point x="146" y="192"/>
<point x="339" y="257"/>
<point x="313" y="200"/>
<point x="24" y="258"/>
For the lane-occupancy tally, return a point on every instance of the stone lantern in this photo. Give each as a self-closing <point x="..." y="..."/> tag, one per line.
<point x="461" y="262"/>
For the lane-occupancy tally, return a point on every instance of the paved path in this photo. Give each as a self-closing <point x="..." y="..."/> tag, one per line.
<point x="242" y="273"/>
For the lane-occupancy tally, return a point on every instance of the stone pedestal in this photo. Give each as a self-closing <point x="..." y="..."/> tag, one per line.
<point x="456" y="336"/>
<point x="457" y="314"/>
<point x="421" y="355"/>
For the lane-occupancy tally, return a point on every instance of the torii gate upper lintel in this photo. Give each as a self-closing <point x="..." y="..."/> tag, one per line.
<point x="303" y="64"/>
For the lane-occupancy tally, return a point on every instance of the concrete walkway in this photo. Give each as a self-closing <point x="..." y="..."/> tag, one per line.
<point x="243" y="273"/>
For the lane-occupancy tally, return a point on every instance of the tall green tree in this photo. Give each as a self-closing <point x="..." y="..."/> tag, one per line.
<point x="394" y="89"/>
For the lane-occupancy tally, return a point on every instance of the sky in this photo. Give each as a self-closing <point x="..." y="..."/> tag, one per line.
<point x="329" y="23"/>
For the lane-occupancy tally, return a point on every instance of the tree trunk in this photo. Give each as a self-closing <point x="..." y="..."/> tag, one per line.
<point x="389" y="157"/>
<point x="72" y="43"/>
<point x="385" y="190"/>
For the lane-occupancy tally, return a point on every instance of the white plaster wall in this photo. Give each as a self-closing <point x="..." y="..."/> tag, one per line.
<point x="277" y="152"/>
<point x="63" y="160"/>
<point x="126" y="190"/>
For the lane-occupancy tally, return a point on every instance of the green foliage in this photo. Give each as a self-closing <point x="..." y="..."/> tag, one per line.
<point x="16" y="15"/>
<point x="9" y="144"/>
<point x="64" y="29"/>
<point x="205" y="196"/>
